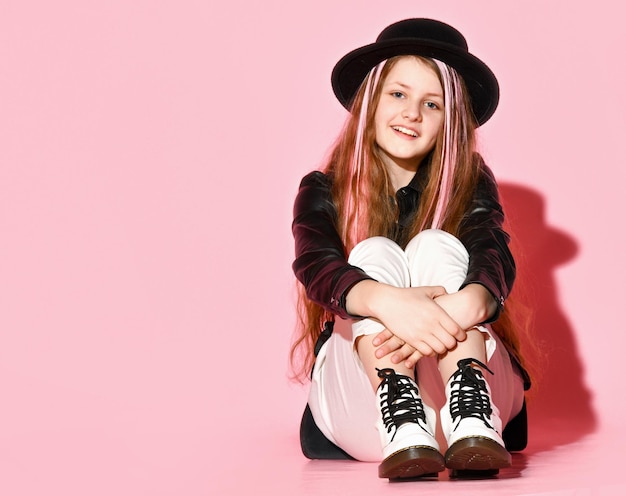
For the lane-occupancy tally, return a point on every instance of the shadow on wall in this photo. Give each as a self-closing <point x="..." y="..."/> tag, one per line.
<point x="559" y="403"/>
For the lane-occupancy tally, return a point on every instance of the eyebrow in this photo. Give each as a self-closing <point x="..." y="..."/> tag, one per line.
<point x="409" y="87"/>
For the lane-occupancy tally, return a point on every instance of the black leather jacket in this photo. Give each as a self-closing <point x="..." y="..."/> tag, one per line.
<point x="321" y="264"/>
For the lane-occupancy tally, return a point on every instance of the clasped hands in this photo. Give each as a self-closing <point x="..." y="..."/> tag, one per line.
<point x="421" y="321"/>
<point x="427" y="321"/>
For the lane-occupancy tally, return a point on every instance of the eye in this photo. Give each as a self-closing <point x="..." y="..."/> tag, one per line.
<point x="397" y="94"/>
<point x="432" y="105"/>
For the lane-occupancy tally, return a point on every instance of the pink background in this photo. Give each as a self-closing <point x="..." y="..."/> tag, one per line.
<point x="150" y="152"/>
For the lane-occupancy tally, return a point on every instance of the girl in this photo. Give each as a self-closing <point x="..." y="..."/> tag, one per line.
<point x="401" y="238"/>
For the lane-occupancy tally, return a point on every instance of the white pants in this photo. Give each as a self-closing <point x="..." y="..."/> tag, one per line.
<point x="342" y="400"/>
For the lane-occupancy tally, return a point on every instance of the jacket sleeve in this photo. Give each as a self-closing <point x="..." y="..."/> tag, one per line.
<point x="320" y="263"/>
<point x="490" y="261"/>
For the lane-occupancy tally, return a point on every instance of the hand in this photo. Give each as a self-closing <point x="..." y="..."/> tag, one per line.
<point x="388" y="343"/>
<point x="468" y="307"/>
<point x="416" y="325"/>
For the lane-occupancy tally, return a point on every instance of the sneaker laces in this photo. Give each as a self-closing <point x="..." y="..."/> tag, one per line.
<point x="471" y="398"/>
<point x="401" y="402"/>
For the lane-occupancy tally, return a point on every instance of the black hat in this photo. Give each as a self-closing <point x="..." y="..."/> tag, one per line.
<point x="428" y="38"/>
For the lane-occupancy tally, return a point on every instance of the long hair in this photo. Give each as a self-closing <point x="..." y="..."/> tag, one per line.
<point x="363" y="193"/>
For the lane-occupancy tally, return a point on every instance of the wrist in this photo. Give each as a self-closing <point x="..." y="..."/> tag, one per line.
<point x="361" y="298"/>
<point x="481" y="300"/>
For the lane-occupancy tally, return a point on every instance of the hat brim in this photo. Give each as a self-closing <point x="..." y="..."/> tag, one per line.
<point x="480" y="81"/>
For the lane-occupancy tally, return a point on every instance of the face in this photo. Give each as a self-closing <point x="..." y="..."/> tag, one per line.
<point x="410" y="114"/>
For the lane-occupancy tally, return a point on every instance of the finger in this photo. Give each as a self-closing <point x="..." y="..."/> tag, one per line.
<point x="429" y="346"/>
<point x="412" y="360"/>
<point x="403" y="353"/>
<point x="424" y="349"/>
<point x="446" y="339"/>
<point x="381" y="337"/>
<point x="437" y="346"/>
<point x="390" y="346"/>
<point x="451" y="327"/>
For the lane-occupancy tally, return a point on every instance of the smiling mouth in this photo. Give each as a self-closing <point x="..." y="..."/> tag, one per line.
<point x="404" y="130"/>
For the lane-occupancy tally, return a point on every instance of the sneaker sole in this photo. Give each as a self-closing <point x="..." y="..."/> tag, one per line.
<point x="412" y="462"/>
<point x="475" y="454"/>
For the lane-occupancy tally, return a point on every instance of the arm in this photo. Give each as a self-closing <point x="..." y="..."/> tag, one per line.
<point x="320" y="263"/>
<point x="491" y="264"/>
<point x="491" y="268"/>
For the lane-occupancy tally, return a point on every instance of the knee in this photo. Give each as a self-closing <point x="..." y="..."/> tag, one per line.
<point x="382" y="259"/>
<point x="375" y="248"/>
<point x="432" y="237"/>
<point x="435" y="241"/>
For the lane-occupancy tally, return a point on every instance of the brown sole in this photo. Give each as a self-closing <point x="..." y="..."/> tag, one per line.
<point x="411" y="463"/>
<point x="475" y="454"/>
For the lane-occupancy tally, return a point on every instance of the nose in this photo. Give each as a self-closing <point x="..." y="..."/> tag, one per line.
<point x="412" y="112"/>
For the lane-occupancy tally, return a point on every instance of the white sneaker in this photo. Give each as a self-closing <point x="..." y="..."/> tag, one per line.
<point x="409" y="445"/>
<point x="471" y="423"/>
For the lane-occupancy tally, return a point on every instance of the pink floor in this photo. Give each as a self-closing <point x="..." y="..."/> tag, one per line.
<point x="172" y="451"/>
<point x="576" y="469"/>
